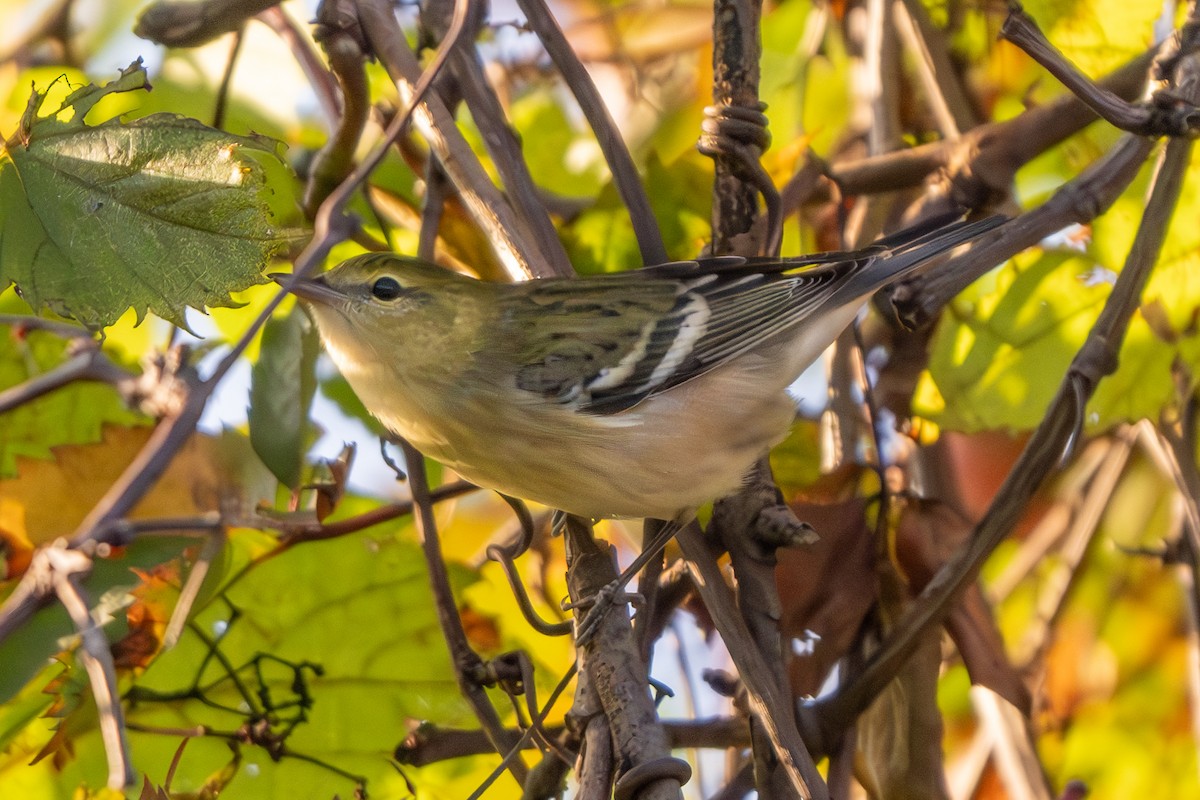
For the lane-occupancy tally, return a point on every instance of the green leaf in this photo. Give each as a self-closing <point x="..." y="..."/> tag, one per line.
<point x="359" y="607"/>
<point x="158" y="214"/>
<point x="282" y="384"/>
<point x="558" y="157"/>
<point x="1004" y="344"/>
<point x="337" y="389"/>
<point x="602" y="240"/>
<point x="796" y="461"/>
<point x="72" y="414"/>
<point x="1100" y="35"/>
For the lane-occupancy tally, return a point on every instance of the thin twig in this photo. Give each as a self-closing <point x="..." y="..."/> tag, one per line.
<point x="527" y="736"/>
<point x="625" y="176"/>
<point x="1142" y="119"/>
<point x="90" y="365"/>
<point x="936" y="67"/>
<point x="191" y="588"/>
<point x="768" y="705"/>
<point x="335" y="159"/>
<point x="21" y="323"/>
<point x="486" y="204"/>
<point x="1054" y="588"/>
<point x="222" y="104"/>
<point x="549" y="257"/>
<point x="65" y="567"/>
<point x="322" y="82"/>
<point x="822" y="720"/>
<point x="1012" y="746"/>
<point x="910" y="34"/>
<point x="468" y="666"/>
<point x="983" y="161"/>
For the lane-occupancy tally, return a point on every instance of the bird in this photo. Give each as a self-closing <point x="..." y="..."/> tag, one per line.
<point x="638" y="394"/>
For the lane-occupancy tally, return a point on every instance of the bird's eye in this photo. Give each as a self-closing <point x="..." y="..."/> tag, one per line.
<point x="386" y="289"/>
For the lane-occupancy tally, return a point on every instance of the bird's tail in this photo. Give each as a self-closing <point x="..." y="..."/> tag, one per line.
<point x="903" y="252"/>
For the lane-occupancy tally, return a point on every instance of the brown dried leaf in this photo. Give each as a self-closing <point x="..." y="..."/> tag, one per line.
<point x="826" y="589"/>
<point x="928" y="533"/>
<point x="900" y="735"/>
<point x="48" y="498"/>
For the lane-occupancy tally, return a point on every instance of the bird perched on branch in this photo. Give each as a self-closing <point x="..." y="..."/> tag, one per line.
<point x="637" y="394"/>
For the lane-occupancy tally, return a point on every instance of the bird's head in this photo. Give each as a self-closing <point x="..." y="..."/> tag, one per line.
<point x="381" y="307"/>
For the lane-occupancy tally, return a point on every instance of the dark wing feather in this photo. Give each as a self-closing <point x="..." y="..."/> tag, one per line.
<point x="560" y="337"/>
<point x="682" y="319"/>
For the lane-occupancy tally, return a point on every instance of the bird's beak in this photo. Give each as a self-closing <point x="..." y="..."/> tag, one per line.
<point x="312" y="290"/>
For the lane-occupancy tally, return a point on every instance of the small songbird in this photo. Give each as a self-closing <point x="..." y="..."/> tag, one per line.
<point x="639" y="394"/>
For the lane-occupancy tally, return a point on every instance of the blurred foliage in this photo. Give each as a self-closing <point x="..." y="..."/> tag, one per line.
<point x="74" y="414"/>
<point x="111" y="199"/>
<point x="332" y="647"/>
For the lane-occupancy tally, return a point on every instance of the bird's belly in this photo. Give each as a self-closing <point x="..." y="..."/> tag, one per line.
<point x="667" y="456"/>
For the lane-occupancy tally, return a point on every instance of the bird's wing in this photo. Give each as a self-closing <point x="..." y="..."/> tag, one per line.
<point x="561" y="338"/>
<point x="603" y="344"/>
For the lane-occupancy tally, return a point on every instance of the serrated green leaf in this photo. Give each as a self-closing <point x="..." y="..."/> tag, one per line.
<point x="282" y="384"/>
<point x="159" y="214"/>
<point x="1004" y="344"/>
<point x="72" y="414"/>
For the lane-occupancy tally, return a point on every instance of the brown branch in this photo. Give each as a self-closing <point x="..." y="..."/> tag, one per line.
<point x="609" y="658"/>
<point x="824" y="720"/>
<point x="983" y="161"/>
<point x="222" y="103"/>
<point x="212" y="548"/>
<point x="483" y="200"/>
<point x="1058" y="578"/>
<point x="625" y="175"/>
<point x="431" y="744"/>
<point x="468" y="666"/>
<point x="752" y="525"/>
<point x="1139" y="118"/>
<point x="919" y="300"/>
<point x="769" y="707"/>
<point x="736" y="55"/>
<point x="335" y="159"/>
<point x="316" y="532"/>
<point x="91" y="364"/>
<point x="501" y="142"/>
<point x="296" y="533"/>
<point x="322" y="82"/>
<point x="596" y="764"/>
<point x="22" y="323"/>
<point x="879" y="81"/>
<point x="930" y="47"/>
<point x="65" y="568"/>
<point x="783" y="767"/>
